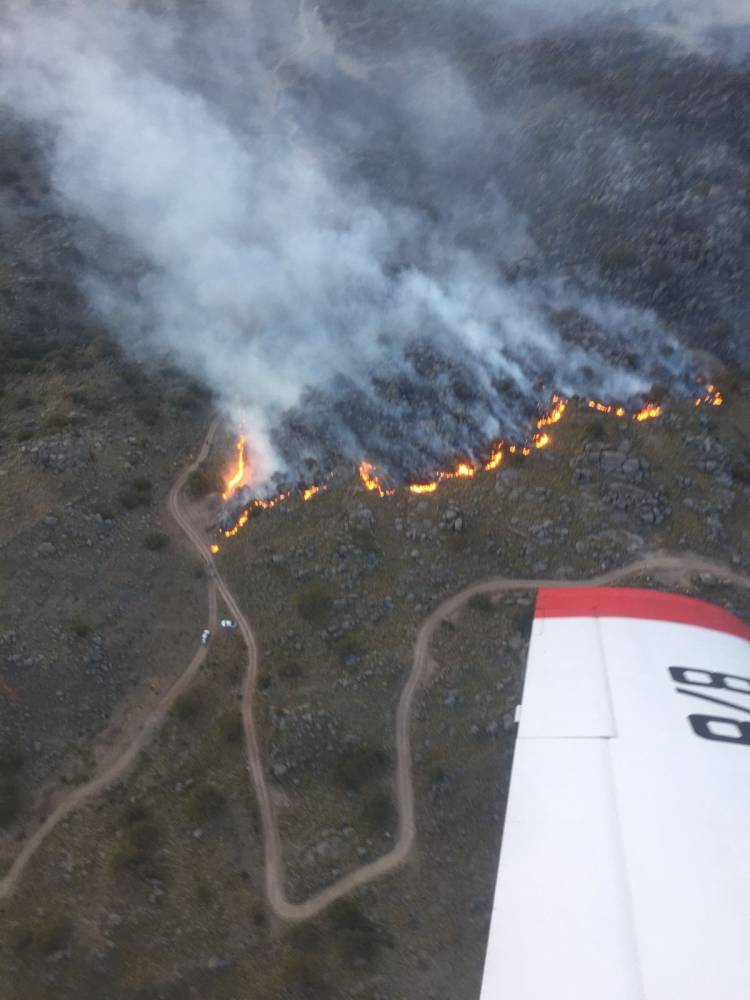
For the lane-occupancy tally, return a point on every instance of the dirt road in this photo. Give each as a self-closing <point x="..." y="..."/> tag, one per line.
<point x="678" y="567"/>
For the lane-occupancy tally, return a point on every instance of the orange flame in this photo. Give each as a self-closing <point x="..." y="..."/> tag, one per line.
<point x="238" y="477"/>
<point x="618" y="411"/>
<point x="555" y="415"/>
<point x="712" y="397"/>
<point x="495" y="458"/>
<point x="214" y="549"/>
<point x="649" y="412"/>
<point x="371" y="482"/>
<point x="464" y="470"/>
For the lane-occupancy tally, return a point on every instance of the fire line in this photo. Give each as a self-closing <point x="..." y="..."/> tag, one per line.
<point x="463" y="470"/>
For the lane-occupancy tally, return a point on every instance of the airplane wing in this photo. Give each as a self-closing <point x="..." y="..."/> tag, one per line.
<point x="625" y="866"/>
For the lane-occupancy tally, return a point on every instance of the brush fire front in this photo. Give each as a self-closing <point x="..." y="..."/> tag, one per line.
<point x="241" y="474"/>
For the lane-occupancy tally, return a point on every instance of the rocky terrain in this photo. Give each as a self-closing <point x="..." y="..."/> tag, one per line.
<point x="630" y="166"/>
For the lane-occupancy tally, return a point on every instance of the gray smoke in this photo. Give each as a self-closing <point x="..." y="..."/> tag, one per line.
<point x="309" y="216"/>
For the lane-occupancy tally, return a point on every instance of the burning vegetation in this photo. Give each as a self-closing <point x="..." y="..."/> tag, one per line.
<point x="241" y="474"/>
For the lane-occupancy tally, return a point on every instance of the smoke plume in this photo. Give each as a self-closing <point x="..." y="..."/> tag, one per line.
<point x="305" y="207"/>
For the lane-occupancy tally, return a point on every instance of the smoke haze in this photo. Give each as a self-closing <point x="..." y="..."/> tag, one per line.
<point x="307" y="209"/>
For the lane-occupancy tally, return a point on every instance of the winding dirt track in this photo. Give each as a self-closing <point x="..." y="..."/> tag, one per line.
<point x="275" y="882"/>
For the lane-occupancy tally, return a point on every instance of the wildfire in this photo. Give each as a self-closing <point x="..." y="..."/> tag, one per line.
<point x="463" y="470"/>
<point x="555" y="415"/>
<point x="238" y="476"/>
<point x="618" y="411"/>
<point x="712" y="397"/>
<point x="371" y="482"/>
<point x="496" y="457"/>
<point x="214" y="549"/>
<point x="649" y="412"/>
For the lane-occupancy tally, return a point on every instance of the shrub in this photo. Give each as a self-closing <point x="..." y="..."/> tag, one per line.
<point x="359" y="938"/>
<point x="364" y="539"/>
<point x="155" y="541"/>
<point x="23" y="402"/>
<point x="51" y="933"/>
<point x="620" y="255"/>
<point x="379" y="813"/>
<point x="136" y="812"/>
<point x="25" y="434"/>
<point x="349" y="650"/>
<point x="359" y="765"/>
<point x="741" y="473"/>
<point x="481" y="603"/>
<point x="290" y="670"/>
<point x="11" y="760"/>
<point x="201" y="482"/>
<point x="137" y="494"/>
<point x="147" y="412"/>
<point x="142" y="484"/>
<point x="56" y="421"/>
<point x="20" y="937"/>
<point x="313" y="605"/>
<point x="188" y="705"/>
<point x="10" y="802"/>
<point x="205" y="802"/>
<point x="230" y="728"/>
<point x="81" y="628"/>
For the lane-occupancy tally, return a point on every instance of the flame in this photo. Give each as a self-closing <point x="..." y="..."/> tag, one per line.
<point x="214" y="549"/>
<point x="463" y="470"/>
<point x="371" y="482"/>
<point x="496" y="457"/>
<point x="238" y="477"/>
<point x="649" y="412"/>
<point x="617" y="411"/>
<point x="555" y="415"/>
<point x="712" y="397"/>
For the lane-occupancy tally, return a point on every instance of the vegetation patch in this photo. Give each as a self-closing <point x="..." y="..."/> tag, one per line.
<point x="359" y="766"/>
<point x="314" y="606"/>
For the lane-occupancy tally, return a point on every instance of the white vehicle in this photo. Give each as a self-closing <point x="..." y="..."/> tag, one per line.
<point x="228" y="623"/>
<point x="625" y="869"/>
<point x="205" y="636"/>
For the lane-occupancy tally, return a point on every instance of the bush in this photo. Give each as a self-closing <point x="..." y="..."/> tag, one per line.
<point x="51" y="934"/>
<point x="136" y="812"/>
<point x="80" y="628"/>
<point x="349" y="650"/>
<point x="10" y="801"/>
<point x="56" y="422"/>
<point x="379" y="812"/>
<point x="201" y="482"/>
<point x="25" y="434"/>
<point x="620" y="255"/>
<point x="230" y="728"/>
<point x="741" y="473"/>
<point x="290" y="670"/>
<point x="364" y="539"/>
<point x="137" y="494"/>
<point x="188" y="705"/>
<point x="11" y="760"/>
<point x="481" y="603"/>
<point x="360" y="765"/>
<point x="314" y="606"/>
<point x="147" y="412"/>
<point x="155" y="541"/>
<point x="205" y="803"/>
<point x="359" y="938"/>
